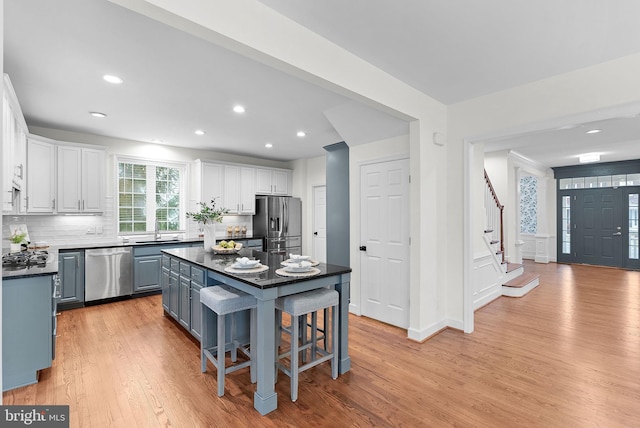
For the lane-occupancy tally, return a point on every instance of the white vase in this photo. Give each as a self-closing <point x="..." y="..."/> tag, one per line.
<point x="15" y="248"/>
<point x="209" y="230"/>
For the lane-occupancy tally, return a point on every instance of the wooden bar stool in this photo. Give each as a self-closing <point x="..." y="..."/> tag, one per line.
<point x="225" y="300"/>
<point x="299" y="306"/>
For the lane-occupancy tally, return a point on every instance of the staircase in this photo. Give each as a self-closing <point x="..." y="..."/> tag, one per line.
<point x="515" y="282"/>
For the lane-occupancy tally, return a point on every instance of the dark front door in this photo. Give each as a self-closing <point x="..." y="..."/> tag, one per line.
<point x="598" y="233"/>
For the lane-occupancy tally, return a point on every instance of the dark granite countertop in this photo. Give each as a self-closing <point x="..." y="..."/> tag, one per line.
<point x="267" y="279"/>
<point x="120" y="243"/>
<point x="24" y="272"/>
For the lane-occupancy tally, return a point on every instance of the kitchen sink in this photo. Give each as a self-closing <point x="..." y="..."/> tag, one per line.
<point x="155" y="240"/>
<point x="149" y="239"/>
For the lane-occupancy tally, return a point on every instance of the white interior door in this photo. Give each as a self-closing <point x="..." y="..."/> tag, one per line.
<point x="320" y="223"/>
<point x="384" y="234"/>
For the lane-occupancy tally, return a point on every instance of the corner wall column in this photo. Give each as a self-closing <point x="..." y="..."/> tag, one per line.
<point x="338" y="243"/>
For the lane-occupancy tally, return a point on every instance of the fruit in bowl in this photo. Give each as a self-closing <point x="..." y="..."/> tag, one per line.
<point x="227" y="247"/>
<point x="227" y="244"/>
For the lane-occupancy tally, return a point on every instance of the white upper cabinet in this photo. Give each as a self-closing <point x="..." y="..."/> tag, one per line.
<point x="69" y="179"/>
<point x="273" y="181"/>
<point x="209" y="182"/>
<point x="239" y="189"/>
<point x="93" y="180"/>
<point x="80" y="179"/>
<point x="41" y="177"/>
<point x="234" y="186"/>
<point x="14" y="151"/>
<point x="7" y="158"/>
<point x="247" y="190"/>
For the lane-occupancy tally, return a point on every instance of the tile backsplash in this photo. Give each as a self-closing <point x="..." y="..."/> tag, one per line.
<point x="86" y="229"/>
<point x="66" y="229"/>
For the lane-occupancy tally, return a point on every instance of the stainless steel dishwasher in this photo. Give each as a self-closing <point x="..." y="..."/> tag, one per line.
<point x="107" y="273"/>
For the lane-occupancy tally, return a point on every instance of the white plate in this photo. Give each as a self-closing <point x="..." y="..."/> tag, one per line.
<point x="247" y="261"/>
<point x="246" y="264"/>
<point x="290" y="268"/>
<point x="298" y="258"/>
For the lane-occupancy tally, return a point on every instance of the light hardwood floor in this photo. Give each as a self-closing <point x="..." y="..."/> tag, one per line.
<point x="565" y="355"/>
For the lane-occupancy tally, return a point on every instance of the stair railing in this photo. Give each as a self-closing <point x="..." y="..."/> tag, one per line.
<point x="494" y="214"/>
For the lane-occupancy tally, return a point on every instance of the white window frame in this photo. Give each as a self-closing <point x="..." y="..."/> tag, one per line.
<point x="151" y="202"/>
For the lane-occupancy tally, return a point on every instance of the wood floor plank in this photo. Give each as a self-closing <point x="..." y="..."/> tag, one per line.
<point x="565" y="355"/>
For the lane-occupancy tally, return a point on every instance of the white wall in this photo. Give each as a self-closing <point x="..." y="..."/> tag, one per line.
<point x="308" y="173"/>
<point x="495" y="163"/>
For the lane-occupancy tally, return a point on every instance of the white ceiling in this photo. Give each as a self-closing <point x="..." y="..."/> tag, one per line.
<point x="56" y="53"/>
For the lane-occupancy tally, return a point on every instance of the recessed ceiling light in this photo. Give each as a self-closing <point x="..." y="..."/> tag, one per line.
<point x="590" y="157"/>
<point x="238" y="109"/>
<point x="97" y="114"/>
<point x="301" y="134"/>
<point x="112" y="79"/>
<point x="268" y="145"/>
<point x="155" y="140"/>
<point x="200" y="132"/>
<point x="594" y="131"/>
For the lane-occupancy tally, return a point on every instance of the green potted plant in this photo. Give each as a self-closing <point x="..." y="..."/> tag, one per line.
<point x="16" y="241"/>
<point x="208" y="216"/>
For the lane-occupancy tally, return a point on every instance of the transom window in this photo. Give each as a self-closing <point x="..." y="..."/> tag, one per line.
<point x="150" y="194"/>
<point x="620" y="180"/>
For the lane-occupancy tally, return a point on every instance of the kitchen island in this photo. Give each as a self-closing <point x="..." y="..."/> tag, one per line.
<point x="208" y="269"/>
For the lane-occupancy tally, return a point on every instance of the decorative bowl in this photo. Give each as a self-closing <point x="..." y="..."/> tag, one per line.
<point x="219" y="250"/>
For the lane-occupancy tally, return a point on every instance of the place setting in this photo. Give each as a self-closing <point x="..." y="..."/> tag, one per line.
<point x="245" y="265"/>
<point x="298" y="265"/>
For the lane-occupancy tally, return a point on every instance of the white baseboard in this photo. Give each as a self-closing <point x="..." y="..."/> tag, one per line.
<point x="354" y="309"/>
<point x="425" y="333"/>
<point x="541" y="259"/>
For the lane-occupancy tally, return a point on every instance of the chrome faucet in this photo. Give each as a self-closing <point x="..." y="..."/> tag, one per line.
<point x="157" y="235"/>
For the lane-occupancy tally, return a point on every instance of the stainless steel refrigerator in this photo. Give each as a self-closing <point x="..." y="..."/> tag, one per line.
<point x="279" y="220"/>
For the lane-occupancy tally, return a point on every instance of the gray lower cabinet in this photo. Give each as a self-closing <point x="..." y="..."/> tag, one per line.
<point x="164" y="280"/>
<point x="27" y="329"/>
<point x="71" y="273"/>
<point x="174" y="293"/>
<point x="181" y="285"/>
<point x="146" y="273"/>
<point x="184" y="312"/>
<point x="197" y="283"/>
<point x="147" y="261"/>
<point x="254" y="244"/>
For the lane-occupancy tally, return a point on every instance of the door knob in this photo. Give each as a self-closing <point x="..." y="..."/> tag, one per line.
<point x="315" y="233"/>
<point x="363" y="248"/>
<point x="617" y="234"/>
